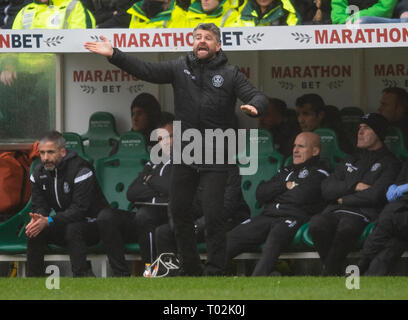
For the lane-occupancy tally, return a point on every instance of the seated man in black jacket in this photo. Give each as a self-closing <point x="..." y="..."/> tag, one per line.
<point x="356" y="192"/>
<point x="65" y="182"/>
<point x="118" y="227"/>
<point x="389" y="238"/>
<point x="290" y="198"/>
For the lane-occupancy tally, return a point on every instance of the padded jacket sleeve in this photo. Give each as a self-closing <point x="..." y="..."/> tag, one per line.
<point x="247" y="93"/>
<point x="268" y="190"/>
<point x="375" y="195"/>
<point x="155" y="72"/>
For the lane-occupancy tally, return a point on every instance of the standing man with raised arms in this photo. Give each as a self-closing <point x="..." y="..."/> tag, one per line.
<point x="205" y="88"/>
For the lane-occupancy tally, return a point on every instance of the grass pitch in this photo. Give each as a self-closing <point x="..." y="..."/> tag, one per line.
<point x="205" y="288"/>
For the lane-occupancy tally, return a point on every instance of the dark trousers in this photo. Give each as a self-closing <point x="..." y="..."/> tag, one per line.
<point x="147" y="219"/>
<point x="76" y="236"/>
<point x="335" y="235"/>
<point x="166" y="241"/>
<point x="116" y="228"/>
<point x="183" y="187"/>
<point x="386" y="243"/>
<point x="276" y="233"/>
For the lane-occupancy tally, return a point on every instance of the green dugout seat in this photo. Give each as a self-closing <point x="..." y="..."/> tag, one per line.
<point x="330" y="146"/>
<point x="101" y="135"/>
<point x="115" y="173"/>
<point x="74" y="142"/>
<point x="307" y="239"/>
<point x="13" y="239"/>
<point x="268" y="161"/>
<point x="394" y="140"/>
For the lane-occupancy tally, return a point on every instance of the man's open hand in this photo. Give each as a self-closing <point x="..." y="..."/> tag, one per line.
<point x="248" y="109"/>
<point x="103" y="47"/>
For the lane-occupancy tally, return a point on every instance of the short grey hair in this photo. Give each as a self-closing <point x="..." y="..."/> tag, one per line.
<point x="54" y="137"/>
<point x="209" y="27"/>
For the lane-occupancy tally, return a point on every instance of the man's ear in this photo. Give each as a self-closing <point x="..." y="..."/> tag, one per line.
<point x="316" y="151"/>
<point x="218" y="47"/>
<point x="63" y="152"/>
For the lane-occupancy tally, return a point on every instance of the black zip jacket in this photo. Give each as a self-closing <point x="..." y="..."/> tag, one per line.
<point x="376" y="168"/>
<point x="304" y="199"/>
<point x="72" y="190"/>
<point x="154" y="189"/>
<point x="205" y="93"/>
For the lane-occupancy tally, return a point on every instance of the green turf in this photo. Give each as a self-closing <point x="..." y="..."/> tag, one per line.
<point x="204" y="288"/>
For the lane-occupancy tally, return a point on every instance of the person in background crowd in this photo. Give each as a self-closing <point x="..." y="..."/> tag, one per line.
<point x="257" y="13"/>
<point x="311" y="115"/>
<point x="9" y="10"/>
<point x="26" y="82"/>
<point x="284" y="130"/>
<point x="109" y="13"/>
<point x="290" y="198"/>
<point x="347" y="12"/>
<point x="145" y="113"/>
<point x="389" y="238"/>
<point x="220" y="12"/>
<point x="156" y="14"/>
<point x="151" y="187"/>
<point x="313" y="11"/>
<point x="356" y="195"/>
<point x="65" y="183"/>
<point x="394" y="107"/>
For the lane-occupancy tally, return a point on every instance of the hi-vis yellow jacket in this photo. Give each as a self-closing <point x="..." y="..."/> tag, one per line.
<point x="225" y="14"/>
<point x="164" y="19"/>
<point x="285" y="10"/>
<point x="57" y="14"/>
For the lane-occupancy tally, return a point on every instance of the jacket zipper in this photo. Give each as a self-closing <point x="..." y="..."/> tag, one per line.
<point x="55" y="188"/>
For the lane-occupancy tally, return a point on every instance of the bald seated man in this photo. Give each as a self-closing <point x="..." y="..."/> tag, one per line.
<point x="290" y="198"/>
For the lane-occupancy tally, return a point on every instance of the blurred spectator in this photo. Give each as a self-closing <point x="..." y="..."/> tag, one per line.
<point x="344" y="11"/>
<point x="8" y="11"/>
<point x="311" y="114"/>
<point x="145" y="113"/>
<point x="26" y="80"/>
<point x="313" y="11"/>
<point x="56" y="14"/>
<point x="155" y="14"/>
<point x="356" y="195"/>
<point x="220" y="12"/>
<point x="110" y="13"/>
<point x="150" y="189"/>
<point x="400" y="15"/>
<point x="284" y="129"/>
<point x="267" y="13"/>
<point x="394" y="107"/>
